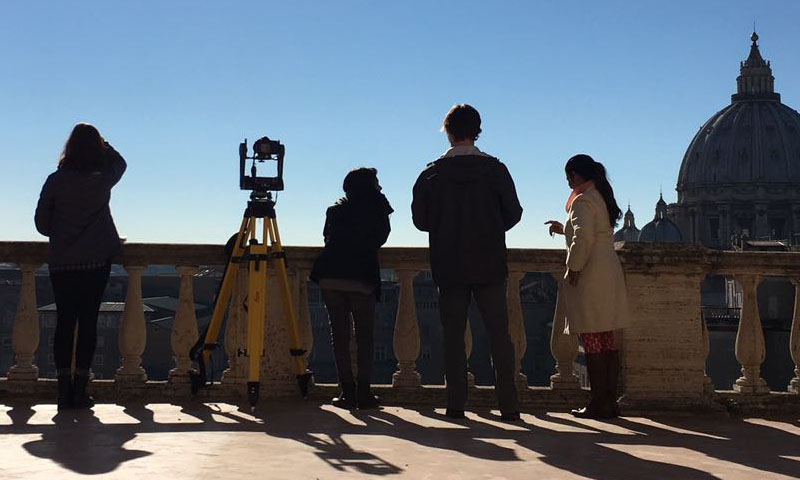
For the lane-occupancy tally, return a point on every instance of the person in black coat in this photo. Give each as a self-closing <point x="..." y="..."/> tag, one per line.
<point x="73" y="210"/>
<point x="466" y="201"/>
<point x="348" y="273"/>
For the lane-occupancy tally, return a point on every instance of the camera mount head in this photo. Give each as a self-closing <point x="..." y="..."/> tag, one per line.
<point x="264" y="150"/>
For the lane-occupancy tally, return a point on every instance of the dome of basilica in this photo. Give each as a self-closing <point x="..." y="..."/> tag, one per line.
<point x="740" y="175"/>
<point x="754" y="140"/>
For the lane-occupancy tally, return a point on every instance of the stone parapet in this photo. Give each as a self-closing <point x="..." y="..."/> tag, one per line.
<point x="663" y="351"/>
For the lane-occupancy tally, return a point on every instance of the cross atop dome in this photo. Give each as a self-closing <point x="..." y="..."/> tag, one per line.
<point x="755" y="76"/>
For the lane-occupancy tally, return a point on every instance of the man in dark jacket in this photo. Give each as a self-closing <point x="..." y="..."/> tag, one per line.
<point x="466" y="201"/>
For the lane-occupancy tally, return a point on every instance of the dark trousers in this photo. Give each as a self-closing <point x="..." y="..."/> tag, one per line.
<point x="454" y="303"/>
<point x="341" y="307"/>
<point x="78" y="295"/>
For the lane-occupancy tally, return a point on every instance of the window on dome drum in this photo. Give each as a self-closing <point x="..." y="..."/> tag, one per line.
<point x="713" y="229"/>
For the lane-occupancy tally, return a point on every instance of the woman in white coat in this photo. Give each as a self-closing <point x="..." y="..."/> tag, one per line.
<point x="596" y="301"/>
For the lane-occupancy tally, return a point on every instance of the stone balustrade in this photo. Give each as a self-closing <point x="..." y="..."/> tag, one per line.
<point x="663" y="351"/>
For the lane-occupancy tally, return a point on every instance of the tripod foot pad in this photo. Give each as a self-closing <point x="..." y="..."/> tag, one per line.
<point x="303" y="380"/>
<point x="252" y="393"/>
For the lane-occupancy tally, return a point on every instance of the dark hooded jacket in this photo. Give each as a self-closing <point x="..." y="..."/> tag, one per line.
<point x="73" y="210"/>
<point x="355" y="228"/>
<point x="466" y="203"/>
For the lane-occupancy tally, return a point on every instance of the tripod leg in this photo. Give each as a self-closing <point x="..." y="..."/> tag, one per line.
<point x="202" y="350"/>
<point x="256" y="312"/>
<point x="297" y="352"/>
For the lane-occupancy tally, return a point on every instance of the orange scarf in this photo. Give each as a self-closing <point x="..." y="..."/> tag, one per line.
<point x="577" y="191"/>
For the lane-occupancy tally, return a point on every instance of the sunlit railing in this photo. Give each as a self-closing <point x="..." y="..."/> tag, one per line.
<point x="663" y="352"/>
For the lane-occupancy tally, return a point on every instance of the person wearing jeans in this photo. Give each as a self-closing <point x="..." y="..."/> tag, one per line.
<point x="73" y="211"/>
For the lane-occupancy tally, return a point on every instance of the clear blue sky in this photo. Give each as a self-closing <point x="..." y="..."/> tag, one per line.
<point x="176" y="85"/>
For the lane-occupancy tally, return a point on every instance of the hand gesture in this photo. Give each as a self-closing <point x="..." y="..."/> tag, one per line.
<point x="555" y="227"/>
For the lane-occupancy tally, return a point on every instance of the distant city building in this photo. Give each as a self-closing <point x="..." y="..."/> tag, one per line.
<point x="106" y="355"/>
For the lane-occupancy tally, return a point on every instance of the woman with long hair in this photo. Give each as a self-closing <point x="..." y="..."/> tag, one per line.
<point x="73" y="210"/>
<point x="594" y="290"/>
<point x="348" y="273"/>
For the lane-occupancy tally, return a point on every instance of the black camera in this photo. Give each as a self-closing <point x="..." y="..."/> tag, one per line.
<point x="264" y="150"/>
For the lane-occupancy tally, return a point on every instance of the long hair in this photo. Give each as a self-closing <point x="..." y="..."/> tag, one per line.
<point x="586" y="167"/>
<point x="84" y="150"/>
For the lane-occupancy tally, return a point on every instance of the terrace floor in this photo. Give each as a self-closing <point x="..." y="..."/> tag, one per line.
<point x="306" y="440"/>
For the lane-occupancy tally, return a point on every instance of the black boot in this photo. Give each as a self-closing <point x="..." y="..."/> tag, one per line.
<point x="366" y="399"/>
<point x="81" y="398"/>
<point x="612" y="367"/>
<point x="64" y="400"/>
<point x="346" y="398"/>
<point x="598" y="382"/>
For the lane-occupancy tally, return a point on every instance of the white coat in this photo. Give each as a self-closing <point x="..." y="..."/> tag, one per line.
<point x="598" y="303"/>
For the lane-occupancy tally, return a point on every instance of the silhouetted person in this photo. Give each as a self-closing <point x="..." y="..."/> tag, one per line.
<point x="596" y="299"/>
<point x="466" y="200"/>
<point x="348" y="273"/>
<point x="74" y="212"/>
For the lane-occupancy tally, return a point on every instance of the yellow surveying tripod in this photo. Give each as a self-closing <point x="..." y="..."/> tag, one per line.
<point x="257" y="255"/>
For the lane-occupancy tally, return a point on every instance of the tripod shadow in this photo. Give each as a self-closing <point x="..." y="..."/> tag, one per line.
<point x="325" y="434"/>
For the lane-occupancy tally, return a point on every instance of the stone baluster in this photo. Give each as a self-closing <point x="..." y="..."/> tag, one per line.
<point x="516" y="326"/>
<point x="794" y="339"/>
<point x="235" y="331"/>
<point x="563" y="347"/>
<point x="132" y="330"/>
<point x="750" y="350"/>
<point x="406" y="333"/>
<point x="25" y="332"/>
<point x="184" y="326"/>
<point x="468" y="352"/>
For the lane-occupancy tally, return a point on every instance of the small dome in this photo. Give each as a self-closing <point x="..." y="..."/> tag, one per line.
<point x="628" y="232"/>
<point x="661" y="229"/>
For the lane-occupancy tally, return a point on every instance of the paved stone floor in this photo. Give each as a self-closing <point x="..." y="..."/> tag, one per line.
<point x="304" y="440"/>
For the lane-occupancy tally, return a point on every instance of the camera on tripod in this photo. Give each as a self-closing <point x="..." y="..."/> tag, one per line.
<point x="264" y="150"/>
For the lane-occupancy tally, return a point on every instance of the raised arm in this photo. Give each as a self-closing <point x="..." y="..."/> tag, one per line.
<point x="115" y="163"/>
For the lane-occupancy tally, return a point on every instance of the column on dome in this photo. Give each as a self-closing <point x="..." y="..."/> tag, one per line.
<point x="762" y="222"/>
<point x="725" y="225"/>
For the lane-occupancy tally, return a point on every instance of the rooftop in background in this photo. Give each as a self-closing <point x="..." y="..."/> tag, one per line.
<point x="105" y="307"/>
